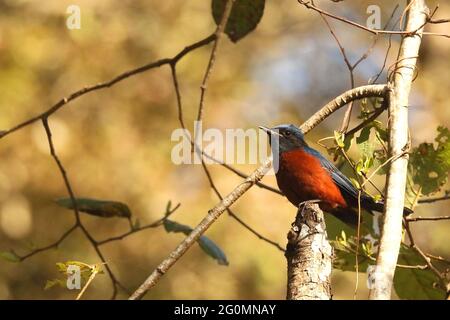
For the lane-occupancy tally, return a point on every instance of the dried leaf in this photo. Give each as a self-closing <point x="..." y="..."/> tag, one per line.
<point x="244" y="17"/>
<point x="99" y="208"/>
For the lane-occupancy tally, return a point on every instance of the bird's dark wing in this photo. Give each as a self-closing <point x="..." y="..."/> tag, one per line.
<point x="348" y="190"/>
<point x="339" y="178"/>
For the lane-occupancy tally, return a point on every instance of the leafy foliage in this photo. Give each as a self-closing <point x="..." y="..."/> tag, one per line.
<point x="99" y="208"/>
<point x="415" y="283"/>
<point x="345" y="250"/>
<point x="430" y="163"/>
<point x="409" y="283"/>
<point x="207" y="245"/>
<point x="245" y="16"/>
<point x="86" y="271"/>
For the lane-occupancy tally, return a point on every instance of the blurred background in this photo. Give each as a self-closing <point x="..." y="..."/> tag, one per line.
<point x="115" y="143"/>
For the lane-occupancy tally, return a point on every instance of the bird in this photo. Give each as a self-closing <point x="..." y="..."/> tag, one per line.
<point x="304" y="174"/>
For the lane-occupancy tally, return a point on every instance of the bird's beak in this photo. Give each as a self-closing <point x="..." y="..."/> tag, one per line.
<point x="269" y="131"/>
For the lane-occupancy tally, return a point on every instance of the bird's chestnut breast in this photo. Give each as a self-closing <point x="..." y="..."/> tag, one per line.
<point x="301" y="177"/>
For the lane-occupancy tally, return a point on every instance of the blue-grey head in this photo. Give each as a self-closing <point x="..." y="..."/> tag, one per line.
<point x="285" y="137"/>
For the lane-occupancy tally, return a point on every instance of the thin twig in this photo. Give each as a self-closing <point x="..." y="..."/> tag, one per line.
<point x="155" y="224"/>
<point x="431" y="200"/>
<point x="309" y="5"/>
<point x="109" y="83"/>
<point x="50" y="246"/>
<point x="95" y="270"/>
<point x="351" y="67"/>
<point x="438" y="258"/>
<point x="219" y="34"/>
<point x="419" y="218"/>
<point x="370" y="119"/>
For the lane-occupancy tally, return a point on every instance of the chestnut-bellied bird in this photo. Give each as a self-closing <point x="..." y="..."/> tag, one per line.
<point x="303" y="174"/>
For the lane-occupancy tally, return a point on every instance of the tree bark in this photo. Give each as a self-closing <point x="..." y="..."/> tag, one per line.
<point x="382" y="275"/>
<point x="309" y="256"/>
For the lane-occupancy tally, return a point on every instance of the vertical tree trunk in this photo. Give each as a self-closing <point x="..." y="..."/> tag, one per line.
<point x="309" y="256"/>
<point x="383" y="274"/>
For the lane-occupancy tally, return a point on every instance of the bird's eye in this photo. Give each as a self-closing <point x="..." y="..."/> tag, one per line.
<point x="287" y="133"/>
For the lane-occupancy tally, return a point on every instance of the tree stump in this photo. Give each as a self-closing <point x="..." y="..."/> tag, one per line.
<point x="309" y="256"/>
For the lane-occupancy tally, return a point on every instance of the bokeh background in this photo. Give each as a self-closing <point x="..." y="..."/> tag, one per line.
<point x="115" y="143"/>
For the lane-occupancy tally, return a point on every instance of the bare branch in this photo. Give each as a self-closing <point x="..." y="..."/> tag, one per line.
<point x="431" y="200"/>
<point x="50" y="246"/>
<point x="108" y="84"/>
<point x="155" y="224"/>
<point x="391" y="235"/>
<point x="351" y="67"/>
<point x="309" y="5"/>
<point x="419" y="218"/>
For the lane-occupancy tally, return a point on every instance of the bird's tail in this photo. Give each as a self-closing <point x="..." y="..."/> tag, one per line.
<point x="379" y="207"/>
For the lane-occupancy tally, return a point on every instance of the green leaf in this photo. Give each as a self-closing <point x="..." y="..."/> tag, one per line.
<point x="207" y="245"/>
<point x="443" y="140"/>
<point x="380" y="131"/>
<point x="359" y="168"/>
<point x="99" y="208"/>
<point x="345" y="253"/>
<point x="86" y="271"/>
<point x="244" y="17"/>
<point x="364" y="144"/>
<point x="355" y="183"/>
<point x="172" y="226"/>
<point x="429" y="164"/>
<point x="9" y="256"/>
<point x="364" y="135"/>
<point x="348" y="141"/>
<point x="415" y="284"/>
<point x="55" y="282"/>
<point x="339" y="138"/>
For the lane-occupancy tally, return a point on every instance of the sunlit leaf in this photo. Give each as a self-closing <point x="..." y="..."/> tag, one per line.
<point x="86" y="270"/>
<point x="364" y="144"/>
<point x="355" y="183"/>
<point x="244" y="17"/>
<point x="99" y="208"/>
<point x="339" y="138"/>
